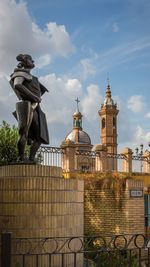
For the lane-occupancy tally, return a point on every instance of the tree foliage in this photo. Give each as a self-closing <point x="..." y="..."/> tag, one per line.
<point x="8" y="143"/>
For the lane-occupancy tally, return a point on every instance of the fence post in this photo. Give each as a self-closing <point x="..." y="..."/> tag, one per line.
<point x="68" y="160"/>
<point x="146" y="163"/>
<point x="6" y="249"/>
<point x="127" y="161"/>
<point x="101" y="161"/>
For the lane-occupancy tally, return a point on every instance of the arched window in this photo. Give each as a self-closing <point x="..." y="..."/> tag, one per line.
<point x="114" y="122"/>
<point x="77" y="122"/>
<point x="74" y="122"/>
<point x="103" y="123"/>
<point x="80" y="123"/>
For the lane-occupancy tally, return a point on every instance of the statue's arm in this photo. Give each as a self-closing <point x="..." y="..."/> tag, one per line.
<point x="18" y="80"/>
<point x="23" y="91"/>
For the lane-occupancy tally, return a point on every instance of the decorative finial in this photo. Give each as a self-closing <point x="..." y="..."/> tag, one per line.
<point x="77" y="100"/>
<point x="108" y="92"/>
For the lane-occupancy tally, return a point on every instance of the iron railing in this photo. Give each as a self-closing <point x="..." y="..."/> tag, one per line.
<point x="51" y="156"/>
<point x="95" y="251"/>
<point x="86" y="161"/>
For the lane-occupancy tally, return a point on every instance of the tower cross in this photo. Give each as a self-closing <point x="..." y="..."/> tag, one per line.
<point x="77" y="100"/>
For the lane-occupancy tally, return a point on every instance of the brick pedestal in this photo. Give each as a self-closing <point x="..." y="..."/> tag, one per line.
<point x="35" y="202"/>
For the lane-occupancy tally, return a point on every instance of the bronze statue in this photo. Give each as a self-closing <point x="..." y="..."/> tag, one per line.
<point x="32" y="124"/>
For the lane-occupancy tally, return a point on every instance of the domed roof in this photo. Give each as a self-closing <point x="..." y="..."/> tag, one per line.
<point x="77" y="113"/>
<point x="79" y="137"/>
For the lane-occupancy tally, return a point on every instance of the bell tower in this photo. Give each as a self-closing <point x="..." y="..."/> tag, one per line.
<point x="108" y="121"/>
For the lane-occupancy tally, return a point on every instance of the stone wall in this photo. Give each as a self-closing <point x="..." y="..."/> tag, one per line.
<point x="36" y="202"/>
<point x="109" y="208"/>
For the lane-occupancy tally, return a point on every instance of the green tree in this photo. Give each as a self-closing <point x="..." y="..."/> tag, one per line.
<point x="8" y="143"/>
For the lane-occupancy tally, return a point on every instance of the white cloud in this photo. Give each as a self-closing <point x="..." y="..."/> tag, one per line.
<point x="141" y="137"/>
<point x="147" y="115"/>
<point x="139" y="134"/>
<point x="87" y="68"/>
<point x="59" y="39"/>
<point x="136" y="103"/>
<point x="91" y="102"/>
<point x="19" y="34"/>
<point x="147" y="137"/>
<point x="43" y="61"/>
<point x="60" y="103"/>
<point x="7" y="100"/>
<point x="74" y="87"/>
<point x="115" y="27"/>
<point x="131" y="132"/>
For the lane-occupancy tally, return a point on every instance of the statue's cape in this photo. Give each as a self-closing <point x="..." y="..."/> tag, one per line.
<point x="43" y="89"/>
<point x="43" y="126"/>
<point x="38" y="129"/>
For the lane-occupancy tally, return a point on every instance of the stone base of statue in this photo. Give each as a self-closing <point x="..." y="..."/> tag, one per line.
<point x="37" y="205"/>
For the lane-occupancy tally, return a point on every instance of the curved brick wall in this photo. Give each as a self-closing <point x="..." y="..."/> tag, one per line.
<point x="35" y="201"/>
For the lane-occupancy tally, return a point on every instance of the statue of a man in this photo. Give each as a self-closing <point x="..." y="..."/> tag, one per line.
<point x="32" y="124"/>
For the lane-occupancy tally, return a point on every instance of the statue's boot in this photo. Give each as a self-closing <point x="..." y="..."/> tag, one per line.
<point x="33" y="149"/>
<point x="21" y="147"/>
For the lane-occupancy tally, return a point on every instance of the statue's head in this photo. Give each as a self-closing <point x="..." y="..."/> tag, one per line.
<point x="25" y="61"/>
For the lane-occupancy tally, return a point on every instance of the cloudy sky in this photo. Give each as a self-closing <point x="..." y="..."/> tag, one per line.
<point x="76" y="46"/>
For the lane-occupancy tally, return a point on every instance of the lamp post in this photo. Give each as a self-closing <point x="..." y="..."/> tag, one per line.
<point x="139" y="153"/>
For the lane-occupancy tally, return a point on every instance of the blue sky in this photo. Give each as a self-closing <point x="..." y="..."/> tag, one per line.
<point x="76" y="46"/>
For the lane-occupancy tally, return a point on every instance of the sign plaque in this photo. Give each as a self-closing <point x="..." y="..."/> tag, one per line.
<point x="136" y="193"/>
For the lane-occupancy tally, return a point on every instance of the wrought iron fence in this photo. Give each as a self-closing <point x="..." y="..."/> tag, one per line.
<point x="51" y="156"/>
<point x="95" y="251"/>
<point x="89" y="161"/>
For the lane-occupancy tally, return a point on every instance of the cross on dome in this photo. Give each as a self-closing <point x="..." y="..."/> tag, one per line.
<point x="77" y="100"/>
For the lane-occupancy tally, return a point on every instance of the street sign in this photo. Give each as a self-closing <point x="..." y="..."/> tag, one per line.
<point x="136" y="193"/>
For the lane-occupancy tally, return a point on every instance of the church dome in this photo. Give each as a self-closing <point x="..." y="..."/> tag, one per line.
<point x="77" y="113"/>
<point x="79" y="136"/>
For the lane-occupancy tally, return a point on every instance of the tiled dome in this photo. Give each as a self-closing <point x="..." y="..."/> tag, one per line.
<point x="79" y="137"/>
